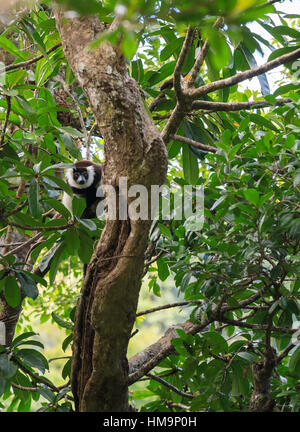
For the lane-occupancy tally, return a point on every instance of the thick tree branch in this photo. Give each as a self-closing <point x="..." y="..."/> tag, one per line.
<point x="146" y="360"/>
<point x="242" y="76"/>
<point x="236" y="106"/>
<point x="196" y="144"/>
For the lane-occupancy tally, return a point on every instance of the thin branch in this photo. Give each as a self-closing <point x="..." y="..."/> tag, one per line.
<point x="24" y="245"/>
<point x="170" y="386"/>
<point x="162" y="375"/>
<point x="28" y="62"/>
<point x="242" y="76"/>
<point x="180" y="62"/>
<point x="36" y="378"/>
<point x="236" y="106"/>
<point x="76" y="106"/>
<point x="201" y="57"/>
<point x="269" y="354"/>
<point x="151" y="261"/>
<point x="15" y="210"/>
<point x="181" y="109"/>
<point x="88" y="141"/>
<point x="264" y="327"/>
<point x="242" y="304"/>
<point x="284" y="353"/>
<point x="8" y="100"/>
<point x="178" y="405"/>
<point x="196" y="144"/>
<point x="156" y="101"/>
<point x="270" y="2"/>
<point x="168" y="306"/>
<point x="42" y="228"/>
<point x="27" y="389"/>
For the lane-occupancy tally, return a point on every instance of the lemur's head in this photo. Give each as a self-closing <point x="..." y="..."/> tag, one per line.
<point x="83" y="175"/>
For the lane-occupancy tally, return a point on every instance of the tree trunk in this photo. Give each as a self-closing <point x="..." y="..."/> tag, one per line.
<point x="133" y="149"/>
<point x="261" y="400"/>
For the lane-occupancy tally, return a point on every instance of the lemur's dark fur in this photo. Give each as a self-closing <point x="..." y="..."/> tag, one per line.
<point x="84" y="180"/>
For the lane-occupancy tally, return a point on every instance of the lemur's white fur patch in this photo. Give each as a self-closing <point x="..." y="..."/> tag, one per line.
<point x="67" y="202"/>
<point x="73" y="183"/>
<point x="67" y="199"/>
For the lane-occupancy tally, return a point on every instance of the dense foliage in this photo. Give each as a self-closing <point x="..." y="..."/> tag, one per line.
<point x="245" y="259"/>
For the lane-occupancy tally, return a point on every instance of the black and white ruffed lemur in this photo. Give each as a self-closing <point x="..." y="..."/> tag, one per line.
<point x="84" y="179"/>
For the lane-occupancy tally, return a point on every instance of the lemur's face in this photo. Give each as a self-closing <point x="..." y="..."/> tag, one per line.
<point x="80" y="178"/>
<point x="80" y="175"/>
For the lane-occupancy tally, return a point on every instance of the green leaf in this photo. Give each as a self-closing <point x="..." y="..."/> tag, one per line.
<point x="216" y="342"/>
<point x="165" y="230"/>
<point x="70" y="131"/>
<point x="61" y="183"/>
<point x="137" y="70"/>
<point x="71" y="239"/>
<point x="173" y="148"/>
<point x="56" y="260"/>
<point x="7" y="367"/>
<point x="47" y="394"/>
<point x="250" y="357"/>
<point x="33" y="358"/>
<point x="163" y="269"/>
<point x="262" y="121"/>
<point x="252" y="196"/>
<point x="67" y="342"/>
<point x="45" y="261"/>
<point x="87" y="223"/>
<point x="21" y="337"/>
<point x="28" y="284"/>
<point x="61" y="322"/>
<point x="190" y="165"/>
<point x="164" y="72"/>
<point x="171" y="48"/>
<point x="78" y="206"/>
<point x="263" y="80"/>
<point x="86" y="247"/>
<point x="59" y="223"/>
<point x="281" y="51"/>
<point x="59" y="207"/>
<point x="10" y="47"/>
<point x="12" y="292"/>
<point x="294" y="363"/>
<point x="286" y="89"/>
<point x="60" y="165"/>
<point x="66" y="372"/>
<point x="29" y="111"/>
<point x="129" y="44"/>
<point x="33" y="199"/>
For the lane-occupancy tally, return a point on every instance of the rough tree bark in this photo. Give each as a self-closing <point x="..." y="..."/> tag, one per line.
<point x="134" y="149"/>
